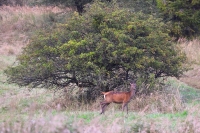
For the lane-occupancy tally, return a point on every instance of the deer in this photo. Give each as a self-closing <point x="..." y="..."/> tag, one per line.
<point x="118" y="97"/>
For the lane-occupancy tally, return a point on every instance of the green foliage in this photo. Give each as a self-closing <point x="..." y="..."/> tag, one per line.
<point x="79" y="4"/>
<point x="145" y="6"/>
<point x="103" y="48"/>
<point x="185" y="16"/>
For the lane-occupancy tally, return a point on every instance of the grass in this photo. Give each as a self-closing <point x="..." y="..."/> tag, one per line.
<point x="108" y="123"/>
<point x="35" y="111"/>
<point x="16" y="101"/>
<point x="191" y="48"/>
<point x="189" y="94"/>
<point x="18" y="23"/>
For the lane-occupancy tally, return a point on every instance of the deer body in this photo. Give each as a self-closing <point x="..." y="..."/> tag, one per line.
<point x="118" y="97"/>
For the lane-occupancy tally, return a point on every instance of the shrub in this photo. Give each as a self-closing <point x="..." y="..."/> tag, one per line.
<point x="102" y="49"/>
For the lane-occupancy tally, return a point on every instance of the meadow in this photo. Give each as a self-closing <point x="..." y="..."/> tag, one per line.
<point x="176" y="109"/>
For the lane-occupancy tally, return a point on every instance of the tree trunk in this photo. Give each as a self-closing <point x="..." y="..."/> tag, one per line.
<point x="79" y="7"/>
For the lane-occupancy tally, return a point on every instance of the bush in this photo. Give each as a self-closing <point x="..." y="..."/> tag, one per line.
<point x="102" y="49"/>
<point x="184" y="15"/>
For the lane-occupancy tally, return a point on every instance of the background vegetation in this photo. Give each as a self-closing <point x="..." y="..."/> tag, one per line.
<point x="184" y="15"/>
<point x="100" y="49"/>
<point x="26" y="109"/>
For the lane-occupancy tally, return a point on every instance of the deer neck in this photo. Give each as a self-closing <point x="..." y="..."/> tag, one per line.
<point x="132" y="92"/>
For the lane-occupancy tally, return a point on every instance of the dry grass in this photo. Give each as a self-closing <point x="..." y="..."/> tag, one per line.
<point x="168" y="101"/>
<point x="158" y="102"/>
<point x="19" y="22"/>
<point x="18" y="15"/>
<point x="192" y="50"/>
<point x="86" y="122"/>
<point x="40" y="111"/>
<point x="192" y="76"/>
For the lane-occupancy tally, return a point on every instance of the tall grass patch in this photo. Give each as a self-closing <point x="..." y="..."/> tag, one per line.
<point x="18" y="23"/>
<point x="39" y="110"/>
<point x="16" y="101"/>
<point x="79" y="121"/>
<point x="191" y="48"/>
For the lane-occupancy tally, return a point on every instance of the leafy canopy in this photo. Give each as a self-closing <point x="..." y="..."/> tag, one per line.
<point x="103" y="48"/>
<point x="184" y="14"/>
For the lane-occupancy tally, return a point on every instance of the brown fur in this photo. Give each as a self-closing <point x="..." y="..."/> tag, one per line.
<point x="118" y="97"/>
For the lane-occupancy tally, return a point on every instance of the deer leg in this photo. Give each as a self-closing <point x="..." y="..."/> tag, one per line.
<point x="103" y="106"/>
<point x="125" y="105"/>
<point x="127" y="108"/>
<point x="103" y="103"/>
